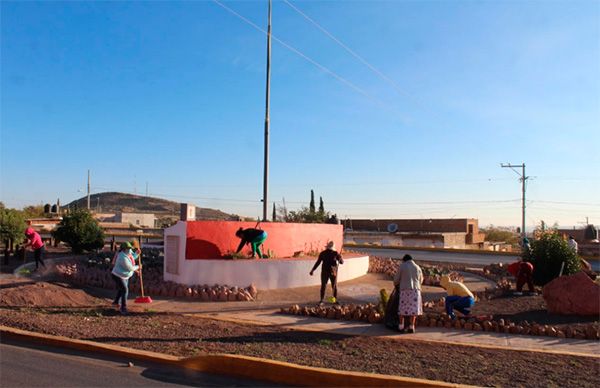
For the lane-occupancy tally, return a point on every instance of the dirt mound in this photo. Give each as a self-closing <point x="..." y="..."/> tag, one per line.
<point x="25" y="293"/>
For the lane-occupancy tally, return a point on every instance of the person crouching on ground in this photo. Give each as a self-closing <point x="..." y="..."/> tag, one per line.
<point x="122" y="271"/>
<point x="523" y="271"/>
<point x="459" y="297"/>
<point x="36" y="243"/>
<point x="330" y="259"/>
<point x="409" y="279"/>
<point x="254" y="237"/>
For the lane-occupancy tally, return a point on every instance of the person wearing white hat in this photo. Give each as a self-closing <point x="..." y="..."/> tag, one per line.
<point x="330" y="259"/>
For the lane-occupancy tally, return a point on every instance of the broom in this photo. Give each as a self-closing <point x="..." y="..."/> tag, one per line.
<point x="141" y="299"/>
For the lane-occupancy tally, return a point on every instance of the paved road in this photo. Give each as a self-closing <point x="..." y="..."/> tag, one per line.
<point x="450" y="257"/>
<point x="24" y="365"/>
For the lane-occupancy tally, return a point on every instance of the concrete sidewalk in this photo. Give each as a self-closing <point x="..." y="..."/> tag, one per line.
<point x="267" y="314"/>
<point x="265" y="311"/>
<point x="484" y="339"/>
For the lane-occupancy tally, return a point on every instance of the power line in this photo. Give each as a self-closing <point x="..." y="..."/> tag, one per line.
<point x="355" y="55"/>
<point x="565" y="203"/>
<point x="314" y="62"/>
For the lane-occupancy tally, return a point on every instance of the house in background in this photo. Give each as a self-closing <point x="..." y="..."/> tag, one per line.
<point x="142" y="220"/>
<point x="461" y="233"/>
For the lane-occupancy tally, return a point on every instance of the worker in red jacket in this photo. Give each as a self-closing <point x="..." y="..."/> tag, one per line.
<point x="37" y="245"/>
<point x="523" y="271"/>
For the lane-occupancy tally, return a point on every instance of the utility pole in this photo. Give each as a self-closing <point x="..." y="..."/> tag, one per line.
<point x="88" y="191"/>
<point x="266" y="169"/>
<point x="285" y="213"/>
<point x="523" y="178"/>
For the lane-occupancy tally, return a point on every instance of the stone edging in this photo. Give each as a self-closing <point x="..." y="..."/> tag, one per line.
<point x="234" y="365"/>
<point x="371" y="313"/>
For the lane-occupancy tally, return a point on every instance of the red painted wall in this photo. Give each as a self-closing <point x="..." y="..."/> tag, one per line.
<point x="213" y="239"/>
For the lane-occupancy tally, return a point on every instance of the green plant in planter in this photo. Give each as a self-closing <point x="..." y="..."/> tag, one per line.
<point x="269" y="254"/>
<point x="235" y="256"/>
<point x="548" y="253"/>
<point x="383" y="301"/>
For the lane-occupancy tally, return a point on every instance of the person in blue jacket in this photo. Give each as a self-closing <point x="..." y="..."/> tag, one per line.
<point x="254" y="237"/>
<point x="122" y="271"/>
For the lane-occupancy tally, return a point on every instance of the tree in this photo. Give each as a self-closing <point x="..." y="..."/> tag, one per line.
<point x="321" y="206"/>
<point x="311" y="206"/>
<point x="80" y="231"/>
<point x="548" y="253"/>
<point x="495" y="234"/>
<point x="12" y="225"/>
<point x="274" y="213"/>
<point x="34" y="211"/>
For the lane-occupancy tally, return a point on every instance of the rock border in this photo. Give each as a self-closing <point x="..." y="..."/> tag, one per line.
<point x="80" y="275"/>
<point x="371" y="313"/>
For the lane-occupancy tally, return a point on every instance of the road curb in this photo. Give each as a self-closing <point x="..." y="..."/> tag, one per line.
<point x="293" y="374"/>
<point x="115" y="350"/>
<point x="234" y="365"/>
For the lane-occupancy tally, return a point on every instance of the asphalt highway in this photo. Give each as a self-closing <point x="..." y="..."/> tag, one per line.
<point x="26" y="365"/>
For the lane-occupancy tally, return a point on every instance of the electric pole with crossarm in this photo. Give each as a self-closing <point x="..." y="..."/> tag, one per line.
<point x="523" y="178"/>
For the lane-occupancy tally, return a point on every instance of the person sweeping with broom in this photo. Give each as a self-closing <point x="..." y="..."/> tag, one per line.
<point x="123" y="270"/>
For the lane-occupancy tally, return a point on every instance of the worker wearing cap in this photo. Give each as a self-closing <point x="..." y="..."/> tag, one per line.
<point x="330" y="259"/>
<point x="121" y="273"/>
<point x="459" y="297"/>
<point x="36" y="243"/>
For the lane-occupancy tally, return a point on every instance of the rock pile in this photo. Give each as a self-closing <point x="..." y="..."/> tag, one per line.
<point x="154" y="285"/>
<point x="368" y="312"/>
<point x="573" y="295"/>
<point x="431" y="274"/>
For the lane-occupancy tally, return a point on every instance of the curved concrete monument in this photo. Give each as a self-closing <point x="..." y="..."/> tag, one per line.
<point x="195" y="250"/>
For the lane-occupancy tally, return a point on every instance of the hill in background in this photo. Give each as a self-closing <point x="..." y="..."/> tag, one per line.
<point x="113" y="202"/>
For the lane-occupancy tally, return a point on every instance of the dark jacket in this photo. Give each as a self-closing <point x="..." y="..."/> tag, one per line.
<point x="248" y="235"/>
<point x="330" y="259"/>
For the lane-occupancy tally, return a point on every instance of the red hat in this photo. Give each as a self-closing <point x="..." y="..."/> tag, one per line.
<point x="29" y="231"/>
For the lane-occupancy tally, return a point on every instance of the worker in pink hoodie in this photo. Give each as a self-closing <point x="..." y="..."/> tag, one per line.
<point x="37" y="245"/>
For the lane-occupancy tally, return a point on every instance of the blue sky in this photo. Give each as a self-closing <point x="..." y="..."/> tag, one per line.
<point x="172" y="94"/>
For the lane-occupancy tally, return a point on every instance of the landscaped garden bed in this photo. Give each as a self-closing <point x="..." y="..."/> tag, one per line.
<point x="185" y="336"/>
<point x="95" y="272"/>
<point x="496" y="310"/>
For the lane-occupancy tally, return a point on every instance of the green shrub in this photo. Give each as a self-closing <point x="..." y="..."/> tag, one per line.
<point x="548" y="253"/>
<point x="80" y="231"/>
<point x="12" y="225"/>
<point x="383" y="301"/>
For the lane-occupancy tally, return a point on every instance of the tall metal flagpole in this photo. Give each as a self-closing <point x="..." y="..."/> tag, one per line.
<point x="266" y="169"/>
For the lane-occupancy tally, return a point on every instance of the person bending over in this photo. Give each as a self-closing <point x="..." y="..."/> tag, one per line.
<point x="459" y="297"/>
<point x="37" y="245"/>
<point x="523" y="271"/>
<point x="254" y="237"/>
